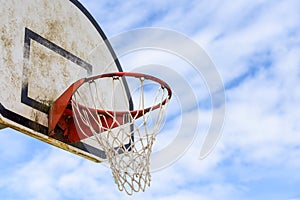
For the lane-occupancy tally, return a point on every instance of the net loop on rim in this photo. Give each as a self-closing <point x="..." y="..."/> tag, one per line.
<point x="125" y="135"/>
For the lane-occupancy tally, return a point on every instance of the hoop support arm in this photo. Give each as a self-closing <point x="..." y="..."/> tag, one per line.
<point x="58" y="107"/>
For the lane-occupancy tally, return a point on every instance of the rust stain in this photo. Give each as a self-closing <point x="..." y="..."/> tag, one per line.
<point x="7" y="43"/>
<point x="55" y="29"/>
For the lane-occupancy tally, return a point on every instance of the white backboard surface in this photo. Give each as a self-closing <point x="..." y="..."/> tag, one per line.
<point x="44" y="47"/>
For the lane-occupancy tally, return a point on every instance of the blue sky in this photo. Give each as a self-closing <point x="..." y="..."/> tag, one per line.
<point x="255" y="46"/>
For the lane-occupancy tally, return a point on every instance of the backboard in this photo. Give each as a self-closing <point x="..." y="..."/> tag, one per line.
<point x="45" y="46"/>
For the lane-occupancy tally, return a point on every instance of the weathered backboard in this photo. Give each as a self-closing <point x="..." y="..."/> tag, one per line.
<point x="45" y="46"/>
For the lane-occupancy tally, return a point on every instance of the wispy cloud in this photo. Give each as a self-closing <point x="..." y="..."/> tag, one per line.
<point x="256" y="47"/>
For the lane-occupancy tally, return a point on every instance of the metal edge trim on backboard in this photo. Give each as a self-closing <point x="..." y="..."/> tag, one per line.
<point x="20" y="120"/>
<point x="112" y="52"/>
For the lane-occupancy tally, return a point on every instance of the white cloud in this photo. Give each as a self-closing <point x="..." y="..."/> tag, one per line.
<point x="261" y="137"/>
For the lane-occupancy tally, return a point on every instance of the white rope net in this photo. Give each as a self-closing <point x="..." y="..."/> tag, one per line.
<point x="126" y="137"/>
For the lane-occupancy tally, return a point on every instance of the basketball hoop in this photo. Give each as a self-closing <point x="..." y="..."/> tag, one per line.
<point x="124" y="134"/>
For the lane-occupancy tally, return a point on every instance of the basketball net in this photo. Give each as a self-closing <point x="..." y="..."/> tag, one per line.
<point x="125" y="136"/>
